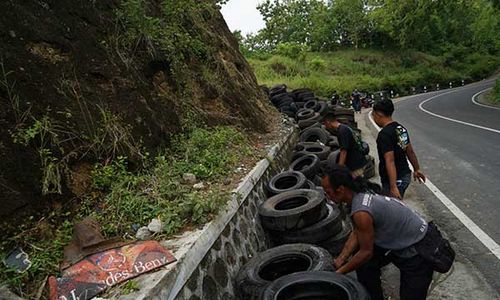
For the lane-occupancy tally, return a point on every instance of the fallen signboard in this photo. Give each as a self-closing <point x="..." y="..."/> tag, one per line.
<point x="97" y="272"/>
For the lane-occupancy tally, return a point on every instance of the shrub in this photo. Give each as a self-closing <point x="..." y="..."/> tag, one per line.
<point x="291" y="50"/>
<point x="317" y="64"/>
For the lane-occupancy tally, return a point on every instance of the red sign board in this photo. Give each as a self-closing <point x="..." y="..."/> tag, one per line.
<point x="97" y="272"/>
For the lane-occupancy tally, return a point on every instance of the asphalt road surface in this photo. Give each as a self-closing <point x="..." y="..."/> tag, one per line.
<point x="458" y="146"/>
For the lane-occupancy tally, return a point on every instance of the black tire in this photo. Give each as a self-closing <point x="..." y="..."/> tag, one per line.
<point x="308" y="122"/>
<point x="320" y="231"/>
<point x="277" y="89"/>
<point x="292" y="210"/>
<point x="305" y="114"/>
<point x="308" y="165"/>
<point x="335" y="243"/>
<point x="315" y="125"/>
<point x="300" y="104"/>
<point x="274" y="263"/>
<point x="286" y="181"/>
<point x="314" y="135"/>
<point x="311" y="104"/>
<point x="310" y="185"/>
<point x="317" y="149"/>
<point x="317" y="179"/>
<point x="315" y="285"/>
<point x="298" y="154"/>
<point x="321" y="108"/>
<point x="333" y="158"/>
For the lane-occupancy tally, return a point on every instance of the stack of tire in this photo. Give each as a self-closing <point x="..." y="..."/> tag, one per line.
<point x="297" y="211"/>
<point x="295" y="271"/>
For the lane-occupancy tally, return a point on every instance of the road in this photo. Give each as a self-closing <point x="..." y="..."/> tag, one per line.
<point x="458" y="145"/>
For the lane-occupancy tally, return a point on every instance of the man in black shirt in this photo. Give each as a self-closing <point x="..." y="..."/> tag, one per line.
<point x="394" y="148"/>
<point x="351" y="154"/>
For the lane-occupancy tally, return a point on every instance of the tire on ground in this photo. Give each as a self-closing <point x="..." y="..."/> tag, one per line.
<point x="315" y="285"/>
<point x="274" y="263"/>
<point x="314" y="135"/>
<point x="317" y="149"/>
<point x="335" y="243"/>
<point x="286" y="181"/>
<point x="320" y="231"/>
<point x="308" y="165"/>
<point x="292" y="210"/>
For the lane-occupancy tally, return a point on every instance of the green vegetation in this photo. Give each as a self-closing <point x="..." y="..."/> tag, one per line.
<point x="122" y="198"/>
<point x="373" y="44"/>
<point x="495" y="96"/>
<point x="369" y="70"/>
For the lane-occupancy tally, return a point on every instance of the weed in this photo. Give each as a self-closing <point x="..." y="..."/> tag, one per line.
<point x="130" y="287"/>
<point x="496" y="92"/>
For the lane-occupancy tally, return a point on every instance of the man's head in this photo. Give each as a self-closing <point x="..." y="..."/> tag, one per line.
<point x="339" y="184"/>
<point x="382" y="111"/>
<point x="330" y="121"/>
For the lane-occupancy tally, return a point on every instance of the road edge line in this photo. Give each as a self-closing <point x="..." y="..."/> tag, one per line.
<point x="480" y="104"/>
<point x="482" y="236"/>
<point x="420" y="106"/>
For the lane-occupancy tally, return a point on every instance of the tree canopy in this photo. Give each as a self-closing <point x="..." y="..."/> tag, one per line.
<point x="424" y="25"/>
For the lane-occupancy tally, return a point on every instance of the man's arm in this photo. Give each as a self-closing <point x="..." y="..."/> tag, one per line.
<point x="342" y="157"/>
<point x="349" y="247"/>
<point x="363" y="224"/>
<point x="391" y="173"/>
<point x="417" y="174"/>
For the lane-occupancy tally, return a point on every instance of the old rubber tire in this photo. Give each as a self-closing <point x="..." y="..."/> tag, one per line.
<point x="322" y="108"/>
<point x="335" y="243"/>
<point x="333" y="158"/>
<point x="286" y="181"/>
<point x="311" y="104"/>
<point x="308" y="122"/>
<point x="315" y="285"/>
<point x="308" y="165"/>
<point x="274" y="263"/>
<point x="305" y="114"/>
<point x="314" y="135"/>
<point x="320" y="231"/>
<point x="292" y="210"/>
<point x="317" y="149"/>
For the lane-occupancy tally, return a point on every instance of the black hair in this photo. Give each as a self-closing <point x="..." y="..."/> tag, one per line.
<point x="340" y="175"/>
<point x="330" y="117"/>
<point x="384" y="106"/>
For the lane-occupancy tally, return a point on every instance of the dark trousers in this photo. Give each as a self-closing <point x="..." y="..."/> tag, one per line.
<point x="416" y="275"/>
<point x="403" y="182"/>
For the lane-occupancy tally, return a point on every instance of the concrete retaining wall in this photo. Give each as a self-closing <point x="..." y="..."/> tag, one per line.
<point x="207" y="269"/>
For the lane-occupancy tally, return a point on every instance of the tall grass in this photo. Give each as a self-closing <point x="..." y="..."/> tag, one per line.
<point x="369" y="70"/>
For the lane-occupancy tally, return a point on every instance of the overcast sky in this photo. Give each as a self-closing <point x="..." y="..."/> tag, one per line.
<point x="243" y="15"/>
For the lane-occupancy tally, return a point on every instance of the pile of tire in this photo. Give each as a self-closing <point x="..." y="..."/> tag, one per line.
<point x="305" y="228"/>
<point x="295" y="271"/>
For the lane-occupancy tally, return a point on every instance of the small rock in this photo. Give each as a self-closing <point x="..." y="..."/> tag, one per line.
<point x="227" y="181"/>
<point x="199" y="186"/>
<point x="12" y="33"/>
<point x="135" y="227"/>
<point x="189" y="178"/>
<point x="155" y="226"/>
<point x="143" y="233"/>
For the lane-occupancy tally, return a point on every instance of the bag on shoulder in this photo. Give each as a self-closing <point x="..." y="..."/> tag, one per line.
<point x="436" y="249"/>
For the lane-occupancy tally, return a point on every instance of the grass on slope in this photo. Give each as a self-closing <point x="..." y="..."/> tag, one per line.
<point x="369" y="70"/>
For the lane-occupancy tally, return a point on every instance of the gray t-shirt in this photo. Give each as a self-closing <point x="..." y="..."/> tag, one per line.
<point x="396" y="225"/>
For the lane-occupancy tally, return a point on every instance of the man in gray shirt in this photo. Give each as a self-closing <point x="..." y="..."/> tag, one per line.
<point x="385" y="231"/>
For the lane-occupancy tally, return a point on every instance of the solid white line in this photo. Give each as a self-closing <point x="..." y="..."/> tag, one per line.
<point x="482" y="236"/>
<point x="480" y="104"/>
<point x="450" y="119"/>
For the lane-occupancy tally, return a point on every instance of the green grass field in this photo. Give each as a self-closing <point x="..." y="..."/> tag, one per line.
<point x="370" y="70"/>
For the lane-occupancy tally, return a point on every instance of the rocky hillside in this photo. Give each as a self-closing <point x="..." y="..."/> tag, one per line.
<point x="88" y="81"/>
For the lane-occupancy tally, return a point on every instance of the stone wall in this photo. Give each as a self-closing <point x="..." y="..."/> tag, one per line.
<point x="207" y="270"/>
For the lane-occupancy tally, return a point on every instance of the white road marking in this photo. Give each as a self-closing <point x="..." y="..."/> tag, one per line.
<point x="451" y="119"/>
<point x="482" y="236"/>
<point x="480" y="104"/>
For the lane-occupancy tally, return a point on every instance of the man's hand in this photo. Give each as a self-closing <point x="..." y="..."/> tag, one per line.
<point x="417" y="175"/>
<point x="395" y="193"/>
<point x="338" y="262"/>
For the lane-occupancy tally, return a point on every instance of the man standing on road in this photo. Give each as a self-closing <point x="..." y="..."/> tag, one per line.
<point x="351" y="153"/>
<point x="356" y="101"/>
<point x="394" y="148"/>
